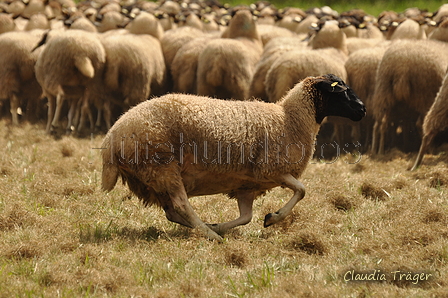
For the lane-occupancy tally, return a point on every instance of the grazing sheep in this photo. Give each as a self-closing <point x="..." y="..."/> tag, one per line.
<point x="146" y="23"/>
<point x="37" y="21"/>
<point x="272" y="51"/>
<point x="69" y="67"/>
<point x="154" y="148"/>
<point x="134" y="70"/>
<point x="226" y="65"/>
<point x="111" y="20"/>
<point x="442" y="12"/>
<point x="6" y="23"/>
<point x="408" y="79"/>
<point x="17" y="77"/>
<point x="173" y="40"/>
<point x="185" y="65"/>
<point x="293" y="66"/>
<point x="291" y="18"/>
<point x="330" y="35"/>
<point x="409" y="29"/>
<point x="268" y="32"/>
<point x="441" y="32"/>
<point x="83" y="23"/>
<point x="361" y="67"/>
<point x="436" y="121"/>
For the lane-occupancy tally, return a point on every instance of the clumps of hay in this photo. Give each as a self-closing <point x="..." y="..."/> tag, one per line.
<point x="236" y="258"/>
<point x="308" y="243"/>
<point x="437" y="180"/>
<point x="358" y="168"/>
<point x="372" y="192"/>
<point x="434" y="215"/>
<point x="342" y="202"/>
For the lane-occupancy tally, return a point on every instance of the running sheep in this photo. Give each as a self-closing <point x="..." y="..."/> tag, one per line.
<point x="251" y="147"/>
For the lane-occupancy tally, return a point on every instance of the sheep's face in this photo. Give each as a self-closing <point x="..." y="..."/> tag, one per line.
<point x="338" y="99"/>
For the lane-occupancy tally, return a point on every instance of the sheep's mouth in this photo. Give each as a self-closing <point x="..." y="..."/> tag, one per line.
<point x="358" y="114"/>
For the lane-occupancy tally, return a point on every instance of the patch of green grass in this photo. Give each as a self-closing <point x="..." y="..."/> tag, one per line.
<point x="369" y="6"/>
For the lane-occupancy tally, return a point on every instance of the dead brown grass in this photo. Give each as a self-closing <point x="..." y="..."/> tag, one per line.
<point x="60" y="236"/>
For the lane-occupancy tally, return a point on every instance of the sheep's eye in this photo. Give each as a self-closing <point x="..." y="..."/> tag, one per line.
<point x="334" y="84"/>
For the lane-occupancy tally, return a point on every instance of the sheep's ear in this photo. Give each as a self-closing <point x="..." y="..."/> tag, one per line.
<point x="331" y="86"/>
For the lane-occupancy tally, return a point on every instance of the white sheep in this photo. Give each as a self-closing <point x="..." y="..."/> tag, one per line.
<point x="293" y="66"/>
<point x="226" y="65"/>
<point x="436" y="121"/>
<point x="361" y="67"/>
<point x="408" y="79"/>
<point x="409" y="29"/>
<point x="173" y="40"/>
<point x="185" y="65"/>
<point x="69" y="67"/>
<point x="17" y="77"/>
<point x="133" y="71"/>
<point x="249" y="148"/>
<point x="6" y="23"/>
<point x="146" y="23"/>
<point x="272" y="51"/>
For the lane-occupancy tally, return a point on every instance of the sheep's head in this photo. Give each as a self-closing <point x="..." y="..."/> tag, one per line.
<point x="337" y="99"/>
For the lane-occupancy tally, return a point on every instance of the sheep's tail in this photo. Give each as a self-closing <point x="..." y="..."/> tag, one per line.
<point x="110" y="167"/>
<point x="109" y="176"/>
<point x="85" y="66"/>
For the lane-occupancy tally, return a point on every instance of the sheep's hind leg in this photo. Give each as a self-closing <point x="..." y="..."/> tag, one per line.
<point x="245" y="202"/>
<point x="183" y="209"/>
<point x="289" y="181"/>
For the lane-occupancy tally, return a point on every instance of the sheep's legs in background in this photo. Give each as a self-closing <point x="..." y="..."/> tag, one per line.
<point x="245" y="202"/>
<point x="182" y="207"/>
<point x="427" y="138"/>
<point x="71" y="116"/>
<point x="383" y="128"/>
<point x="14" y="103"/>
<point x="50" y="113"/>
<point x="289" y="181"/>
<point x="57" y="113"/>
<point x="85" y="109"/>
<point x="98" y="120"/>
<point x="107" y="115"/>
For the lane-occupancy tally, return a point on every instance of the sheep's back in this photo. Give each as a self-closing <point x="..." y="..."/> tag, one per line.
<point x="294" y="66"/>
<point x="16" y="60"/>
<point x="55" y="65"/>
<point x="183" y="120"/>
<point x="410" y="72"/>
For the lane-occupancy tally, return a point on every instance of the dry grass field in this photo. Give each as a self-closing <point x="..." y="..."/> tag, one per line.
<point x="61" y="236"/>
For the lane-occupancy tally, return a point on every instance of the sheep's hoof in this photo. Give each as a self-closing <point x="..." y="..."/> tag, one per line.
<point x="270" y="219"/>
<point x="215" y="228"/>
<point x="212" y="235"/>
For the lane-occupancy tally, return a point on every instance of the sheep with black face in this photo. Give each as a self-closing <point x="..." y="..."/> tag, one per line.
<point x="251" y="147"/>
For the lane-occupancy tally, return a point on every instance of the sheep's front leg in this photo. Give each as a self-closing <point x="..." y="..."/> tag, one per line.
<point x="15" y="103"/>
<point x="245" y="202"/>
<point x="183" y="209"/>
<point x="289" y="181"/>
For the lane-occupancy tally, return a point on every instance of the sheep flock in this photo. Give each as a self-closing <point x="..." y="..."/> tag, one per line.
<point x="79" y="66"/>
